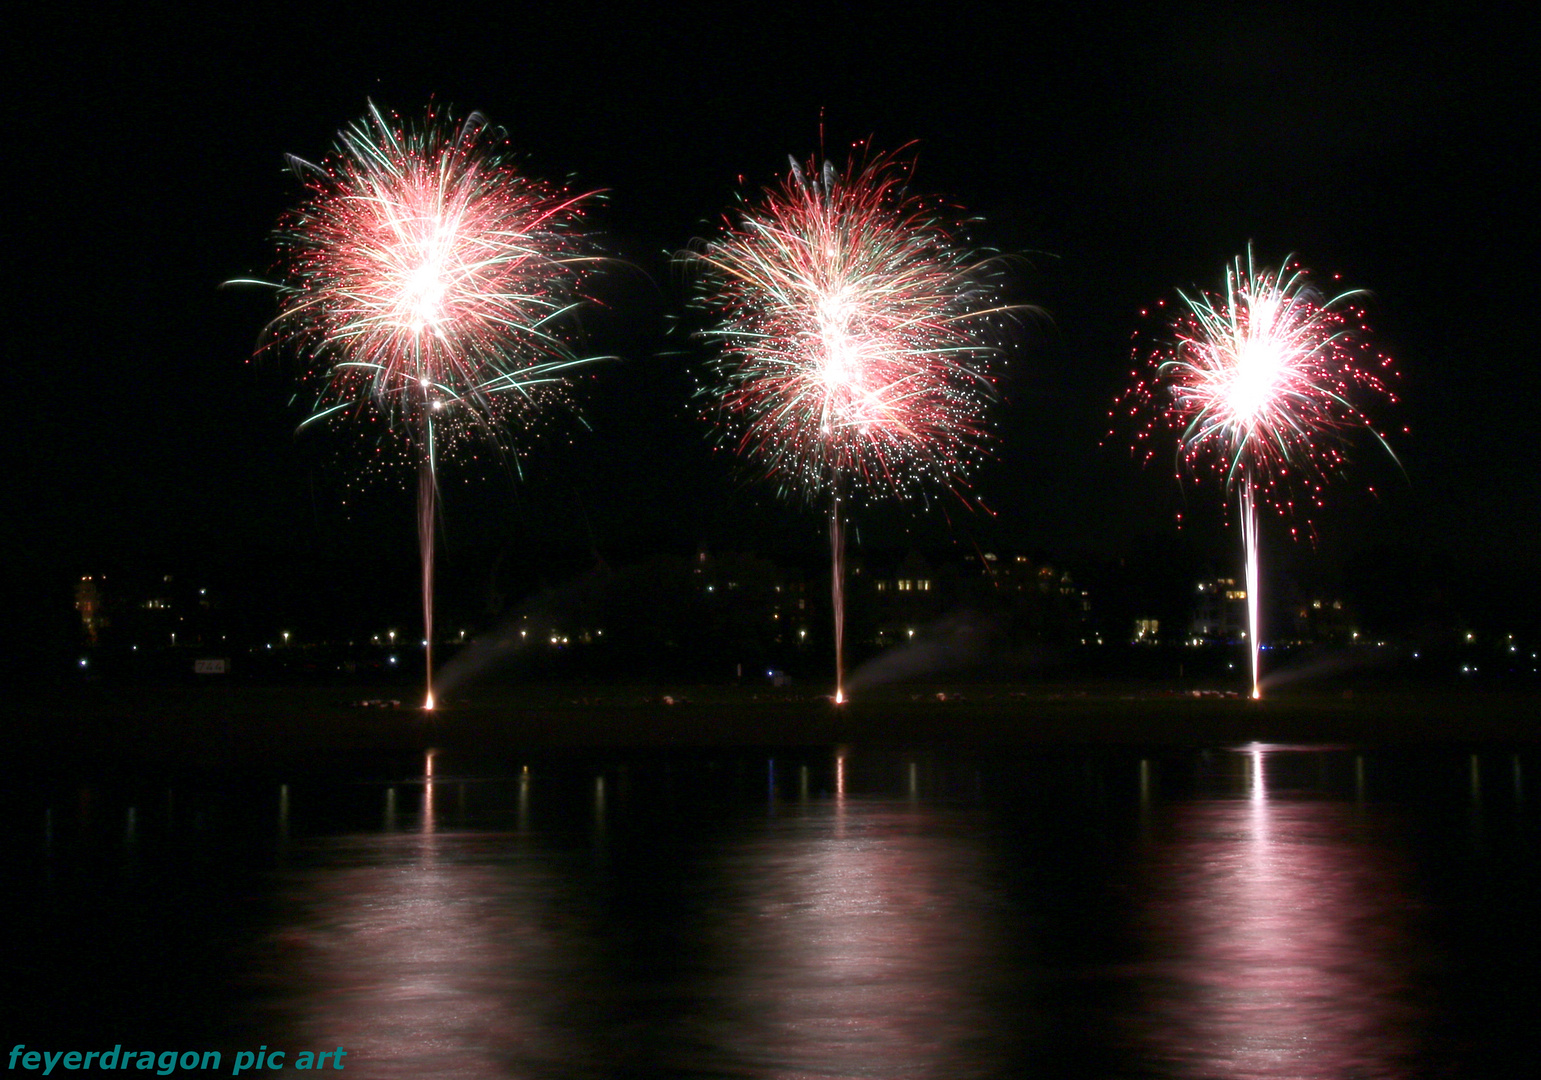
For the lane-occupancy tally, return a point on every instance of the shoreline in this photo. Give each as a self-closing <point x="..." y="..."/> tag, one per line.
<point x="220" y="727"/>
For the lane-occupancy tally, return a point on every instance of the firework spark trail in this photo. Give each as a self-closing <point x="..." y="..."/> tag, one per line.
<point x="851" y="359"/>
<point x="1250" y="576"/>
<point x="1261" y="385"/>
<point x="426" y="282"/>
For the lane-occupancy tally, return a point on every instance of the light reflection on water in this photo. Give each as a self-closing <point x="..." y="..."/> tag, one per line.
<point x="861" y="942"/>
<point x="1281" y="941"/>
<point x="437" y="956"/>
<point x="838" y="938"/>
<point x="1263" y="912"/>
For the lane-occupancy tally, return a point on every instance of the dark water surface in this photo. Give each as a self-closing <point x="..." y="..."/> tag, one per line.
<point x="1257" y="911"/>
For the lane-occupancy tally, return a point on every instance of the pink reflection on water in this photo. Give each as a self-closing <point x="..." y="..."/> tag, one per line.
<point x="434" y="955"/>
<point x="860" y="943"/>
<point x="1280" y="942"/>
<point x="857" y="939"/>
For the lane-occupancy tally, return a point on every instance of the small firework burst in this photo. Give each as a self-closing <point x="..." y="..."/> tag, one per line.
<point x="1263" y="385"/>
<point x="1268" y="380"/>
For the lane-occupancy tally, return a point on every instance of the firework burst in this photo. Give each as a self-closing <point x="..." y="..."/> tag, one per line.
<point x="1264" y="386"/>
<point x="851" y="355"/>
<point x="425" y="284"/>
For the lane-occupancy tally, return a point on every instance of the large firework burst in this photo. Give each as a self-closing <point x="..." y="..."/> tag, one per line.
<point x="850" y="324"/>
<point x="1264" y="385"/>
<point x="424" y="282"/>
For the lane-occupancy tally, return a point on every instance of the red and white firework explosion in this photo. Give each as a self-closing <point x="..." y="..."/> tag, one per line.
<point x="1268" y="381"/>
<point x="426" y="279"/>
<point x="853" y="329"/>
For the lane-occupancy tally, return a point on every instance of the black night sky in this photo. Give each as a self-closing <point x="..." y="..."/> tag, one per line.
<point x="1121" y="158"/>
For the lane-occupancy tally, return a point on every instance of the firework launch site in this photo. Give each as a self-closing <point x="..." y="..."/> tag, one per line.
<point x="194" y="729"/>
<point x="732" y="650"/>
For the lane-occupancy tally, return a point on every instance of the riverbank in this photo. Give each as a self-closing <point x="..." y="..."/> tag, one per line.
<point x="219" y="726"/>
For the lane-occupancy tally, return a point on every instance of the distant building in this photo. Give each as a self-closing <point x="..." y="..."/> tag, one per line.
<point x="154" y="612"/>
<point x="1322" y="621"/>
<point x="1219" y="611"/>
<point x="905" y="598"/>
<point x="1043" y="602"/>
<point x="89" y="604"/>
